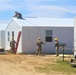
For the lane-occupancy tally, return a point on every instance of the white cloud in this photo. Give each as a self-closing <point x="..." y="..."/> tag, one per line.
<point x="10" y="5"/>
<point x="35" y="7"/>
<point x="5" y="5"/>
<point x="50" y="11"/>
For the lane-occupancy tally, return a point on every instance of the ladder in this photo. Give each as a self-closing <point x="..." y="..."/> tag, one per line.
<point x="17" y="43"/>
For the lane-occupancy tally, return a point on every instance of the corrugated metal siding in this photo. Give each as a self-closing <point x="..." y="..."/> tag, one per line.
<point x="0" y="38"/>
<point x="75" y="36"/>
<point x="32" y="28"/>
<point x="30" y="35"/>
<point x="3" y="39"/>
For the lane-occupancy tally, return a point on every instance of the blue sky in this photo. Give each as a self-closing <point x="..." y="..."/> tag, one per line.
<point x="38" y="8"/>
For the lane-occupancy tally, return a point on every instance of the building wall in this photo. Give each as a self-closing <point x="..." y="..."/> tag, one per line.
<point x="13" y="26"/>
<point x="30" y="35"/>
<point x="2" y="39"/>
<point x="75" y="36"/>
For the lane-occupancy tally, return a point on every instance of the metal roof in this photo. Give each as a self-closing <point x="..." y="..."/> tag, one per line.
<point x="55" y="22"/>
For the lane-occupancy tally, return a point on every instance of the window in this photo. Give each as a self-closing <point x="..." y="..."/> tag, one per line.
<point x="48" y="36"/>
<point x="8" y="35"/>
<point x="48" y="32"/>
<point x="13" y="34"/>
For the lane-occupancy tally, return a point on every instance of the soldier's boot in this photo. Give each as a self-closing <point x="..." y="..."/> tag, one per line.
<point x="13" y="51"/>
<point x="57" y="53"/>
<point x="36" y="52"/>
<point x="39" y="52"/>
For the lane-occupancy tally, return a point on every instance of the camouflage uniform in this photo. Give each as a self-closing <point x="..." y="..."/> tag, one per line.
<point x="12" y="45"/>
<point x="39" y="46"/>
<point x="56" y="47"/>
<point x="18" y="15"/>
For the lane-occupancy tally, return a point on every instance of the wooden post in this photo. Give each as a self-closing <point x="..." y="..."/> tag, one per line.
<point x="63" y="52"/>
<point x="64" y="45"/>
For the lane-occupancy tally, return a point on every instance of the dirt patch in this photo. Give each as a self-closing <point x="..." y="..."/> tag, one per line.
<point x="25" y="64"/>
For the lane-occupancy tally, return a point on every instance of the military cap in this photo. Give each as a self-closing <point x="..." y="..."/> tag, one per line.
<point x="56" y="39"/>
<point x="39" y="38"/>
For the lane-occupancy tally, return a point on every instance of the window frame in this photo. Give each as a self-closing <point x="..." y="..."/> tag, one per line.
<point x="48" y="37"/>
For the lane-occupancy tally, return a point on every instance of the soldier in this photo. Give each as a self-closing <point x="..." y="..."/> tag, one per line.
<point x="39" y="46"/>
<point x="12" y="45"/>
<point x="18" y="15"/>
<point x="56" y="46"/>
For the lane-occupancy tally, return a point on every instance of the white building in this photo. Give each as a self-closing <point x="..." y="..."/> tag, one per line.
<point x="45" y="28"/>
<point x="3" y="25"/>
<point x="74" y="36"/>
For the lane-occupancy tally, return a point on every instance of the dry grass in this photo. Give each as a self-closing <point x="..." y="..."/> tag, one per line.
<point x="22" y="64"/>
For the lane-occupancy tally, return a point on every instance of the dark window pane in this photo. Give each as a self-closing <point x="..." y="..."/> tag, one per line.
<point x="48" y="39"/>
<point x="8" y="33"/>
<point x="12" y="33"/>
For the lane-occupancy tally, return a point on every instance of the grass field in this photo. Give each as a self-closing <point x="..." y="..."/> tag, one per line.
<point x="59" y="67"/>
